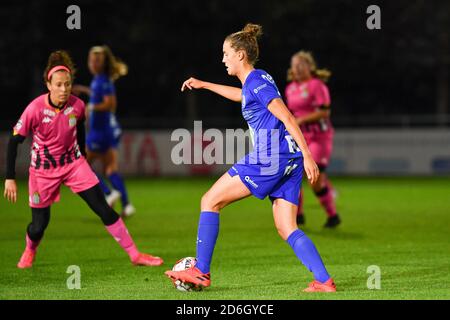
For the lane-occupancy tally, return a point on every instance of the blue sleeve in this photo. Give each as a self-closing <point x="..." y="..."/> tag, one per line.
<point x="96" y="92"/>
<point x="108" y="88"/>
<point x="264" y="91"/>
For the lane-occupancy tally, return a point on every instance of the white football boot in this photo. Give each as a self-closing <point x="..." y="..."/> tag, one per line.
<point x="128" y="211"/>
<point x="112" y="198"/>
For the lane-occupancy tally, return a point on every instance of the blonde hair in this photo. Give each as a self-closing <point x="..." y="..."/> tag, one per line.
<point x="322" y="74"/>
<point x="113" y="66"/>
<point x="247" y="40"/>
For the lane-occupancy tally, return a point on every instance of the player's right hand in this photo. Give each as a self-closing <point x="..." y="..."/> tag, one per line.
<point x="192" y="83"/>
<point x="311" y="169"/>
<point x="10" y="190"/>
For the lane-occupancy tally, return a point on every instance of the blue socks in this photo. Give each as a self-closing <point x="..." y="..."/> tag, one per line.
<point x="306" y="251"/>
<point x="103" y="185"/>
<point x="118" y="184"/>
<point x="208" y="230"/>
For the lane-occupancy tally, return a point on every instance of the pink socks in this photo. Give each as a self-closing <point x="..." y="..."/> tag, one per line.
<point x="120" y="233"/>
<point x="31" y="245"/>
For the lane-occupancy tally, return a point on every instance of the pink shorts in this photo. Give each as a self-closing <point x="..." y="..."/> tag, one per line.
<point x="321" y="146"/>
<point x="43" y="185"/>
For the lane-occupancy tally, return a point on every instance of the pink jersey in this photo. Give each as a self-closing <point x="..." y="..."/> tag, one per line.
<point x="54" y="132"/>
<point x="305" y="98"/>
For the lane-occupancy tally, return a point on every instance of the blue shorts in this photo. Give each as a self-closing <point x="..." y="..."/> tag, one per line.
<point x="284" y="182"/>
<point x="99" y="141"/>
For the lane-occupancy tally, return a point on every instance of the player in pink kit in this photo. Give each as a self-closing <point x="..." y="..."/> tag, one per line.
<point x="308" y="99"/>
<point x="55" y="120"/>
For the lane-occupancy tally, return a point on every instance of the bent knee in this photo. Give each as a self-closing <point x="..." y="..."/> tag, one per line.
<point x="110" y="169"/>
<point x="210" y="202"/>
<point x="285" y="232"/>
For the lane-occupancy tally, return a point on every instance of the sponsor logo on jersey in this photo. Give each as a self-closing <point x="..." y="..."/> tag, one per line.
<point x="68" y="110"/>
<point x="49" y="112"/>
<point x="268" y="77"/>
<point x="251" y="182"/>
<point x="256" y="90"/>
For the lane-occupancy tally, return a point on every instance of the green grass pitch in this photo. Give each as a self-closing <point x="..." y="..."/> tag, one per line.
<point x="401" y="225"/>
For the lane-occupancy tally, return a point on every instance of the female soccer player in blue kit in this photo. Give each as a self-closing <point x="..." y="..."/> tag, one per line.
<point x="274" y="168"/>
<point x="104" y="131"/>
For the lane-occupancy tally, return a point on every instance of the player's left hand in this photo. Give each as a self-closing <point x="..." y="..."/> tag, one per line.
<point x="192" y="83"/>
<point x="10" y="190"/>
<point x="311" y="169"/>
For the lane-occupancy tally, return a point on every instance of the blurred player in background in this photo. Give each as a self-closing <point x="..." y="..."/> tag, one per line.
<point x="104" y="131"/>
<point x="308" y="99"/>
<point x="276" y="137"/>
<point x="55" y="120"/>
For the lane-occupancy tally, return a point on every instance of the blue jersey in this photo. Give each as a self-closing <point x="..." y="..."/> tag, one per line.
<point x="275" y="166"/>
<point x="269" y="135"/>
<point x="104" y="130"/>
<point x="101" y="86"/>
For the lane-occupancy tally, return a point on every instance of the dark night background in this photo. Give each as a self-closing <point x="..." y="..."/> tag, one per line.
<point x="396" y="76"/>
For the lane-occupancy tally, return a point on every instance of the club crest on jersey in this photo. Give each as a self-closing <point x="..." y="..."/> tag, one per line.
<point x="36" y="199"/>
<point x="304" y="92"/>
<point x="68" y="110"/>
<point x="72" y="120"/>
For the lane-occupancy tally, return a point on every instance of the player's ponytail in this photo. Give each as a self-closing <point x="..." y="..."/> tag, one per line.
<point x="253" y="30"/>
<point x="113" y="66"/>
<point x="322" y="74"/>
<point x="247" y="40"/>
<point x="59" y="60"/>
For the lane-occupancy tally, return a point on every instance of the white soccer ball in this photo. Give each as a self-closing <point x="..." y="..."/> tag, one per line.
<point x="181" y="265"/>
<point x="184" y="264"/>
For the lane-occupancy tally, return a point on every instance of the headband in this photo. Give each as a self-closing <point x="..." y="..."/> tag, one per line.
<point x="57" y="68"/>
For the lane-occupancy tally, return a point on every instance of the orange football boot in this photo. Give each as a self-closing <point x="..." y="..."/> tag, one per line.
<point x="144" y="259"/>
<point x="191" y="275"/>
<point x="26" y="261"/>
<point x="317" y="286"/>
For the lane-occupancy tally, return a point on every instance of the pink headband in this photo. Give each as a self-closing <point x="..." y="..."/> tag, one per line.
<point x="57" y="68"/>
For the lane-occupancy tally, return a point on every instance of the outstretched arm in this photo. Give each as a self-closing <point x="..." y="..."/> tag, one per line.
<point x="279" y="110"/>
<point x="108" y="104"/>
<point x="78" y="89"/>
<point x="228" y="92"/>
<point x="322" y="113"/>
